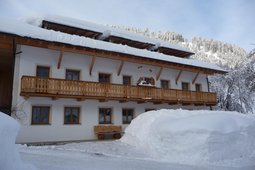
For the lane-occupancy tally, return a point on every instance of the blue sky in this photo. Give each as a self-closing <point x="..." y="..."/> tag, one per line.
<point x="232" y="21"/>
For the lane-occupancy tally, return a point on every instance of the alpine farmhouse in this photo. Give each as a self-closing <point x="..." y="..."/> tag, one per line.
<point x="71" y="80"/>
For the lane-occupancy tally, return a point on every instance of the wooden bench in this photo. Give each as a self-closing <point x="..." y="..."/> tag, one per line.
<point x="102" y="130"/>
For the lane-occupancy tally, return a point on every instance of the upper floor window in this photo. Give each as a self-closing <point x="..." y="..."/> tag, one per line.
<point x="164" y="84"/>
<point x="104" y="78"/>
<point x="42" y="71"/>
<point x="105" y="115"/>
<point x="71" y="115"/>
<point x="127" y="115"/>
<point x="198" y="87"/>
<point x="127" y="80"/>
<point x="185" y="86"/>
<point x="72" y="75"/>
<point x="40" y="115"/>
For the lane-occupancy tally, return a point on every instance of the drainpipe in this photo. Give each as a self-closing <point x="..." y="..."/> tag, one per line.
<point x="208" y="87"/>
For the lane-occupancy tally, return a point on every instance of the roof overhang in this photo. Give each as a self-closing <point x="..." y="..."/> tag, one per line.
<point x="106" y="54"/>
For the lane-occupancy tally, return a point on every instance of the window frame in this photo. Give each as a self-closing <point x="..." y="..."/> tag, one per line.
<point x="126" y="115"/>
<point x="72" y="70"/>
<point x="130" y="80"/>
<point x="200" y="87"/>
<point x="110" y="76"/>
<point x="40" y="66"/>
<point x="188" y="85"/>
<point x="105" y="122"/>
<point x="168" y="84"/>
<point x="40" y="123"/>
<point x="71" y="114"/>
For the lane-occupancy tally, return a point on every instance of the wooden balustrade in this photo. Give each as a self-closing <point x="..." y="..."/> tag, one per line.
<point x="59" y="88"/>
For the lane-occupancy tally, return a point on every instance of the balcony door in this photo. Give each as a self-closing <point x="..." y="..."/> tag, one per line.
<point x="41" y="83"/>
<point x="104" y="78"/>
<point x="72" y="75"/>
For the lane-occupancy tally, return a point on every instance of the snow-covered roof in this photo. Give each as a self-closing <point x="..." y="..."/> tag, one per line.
<point x="27" y="30"/>
<point x="111" y="31"/>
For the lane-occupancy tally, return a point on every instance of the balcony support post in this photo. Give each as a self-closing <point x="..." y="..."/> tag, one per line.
<point x="92" y="65"/>
<point x="195" y="78"/>
<point x="120" y="67"/>
<point x="60" y="59"/>
<point x="178" y="76"/>
<point x="159" y="73"/>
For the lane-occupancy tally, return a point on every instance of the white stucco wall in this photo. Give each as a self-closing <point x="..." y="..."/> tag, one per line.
<point x="26" y="64"/>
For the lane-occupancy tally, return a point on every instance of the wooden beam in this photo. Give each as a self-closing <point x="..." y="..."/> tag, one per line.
<point x="157" y="102"/>
<point x="54" y="98"/>
<point x="120" y="67"/>
<point x="92" y="65"/>
<point x="140" y="102"/>
<point x="60" y="59"/>
<point x="103" y="100"/>
<point x="112" y="55"/>
<point x="159" y="73"/>
<point x="195" y="78"/>
<point x="80" y="99"/>
<point x="173" y="103"/>
<point x="178" y="76"/>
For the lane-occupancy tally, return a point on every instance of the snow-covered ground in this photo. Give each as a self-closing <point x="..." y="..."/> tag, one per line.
<point x="109" y="155"/>
<point x="164" y="139"/>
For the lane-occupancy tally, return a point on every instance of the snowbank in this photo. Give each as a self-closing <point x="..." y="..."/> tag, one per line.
<point x="9" y="155"/>
<point x="194" y="137"/>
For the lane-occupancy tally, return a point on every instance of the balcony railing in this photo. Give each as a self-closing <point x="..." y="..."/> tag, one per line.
<point x="81" y="90"/>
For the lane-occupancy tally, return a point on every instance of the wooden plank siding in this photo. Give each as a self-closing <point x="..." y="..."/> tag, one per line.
<point x="81" y="90"/>
<point x="6" y="72"/>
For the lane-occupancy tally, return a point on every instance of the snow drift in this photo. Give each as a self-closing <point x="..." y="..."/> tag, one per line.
<point x="194" y="137"/>
<point x="9" y="155"/>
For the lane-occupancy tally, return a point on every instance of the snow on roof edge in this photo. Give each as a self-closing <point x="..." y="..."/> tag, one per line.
<point x="113" y="31"/>
<point x="26" y="30"/>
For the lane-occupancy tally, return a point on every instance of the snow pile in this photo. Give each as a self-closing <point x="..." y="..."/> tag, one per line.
<point x="9" y="155"/>
<point x="194" y="137"/>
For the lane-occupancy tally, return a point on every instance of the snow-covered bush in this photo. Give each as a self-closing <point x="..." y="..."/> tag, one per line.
<point x="9" y="155"/>
<point x="194" y="137"/>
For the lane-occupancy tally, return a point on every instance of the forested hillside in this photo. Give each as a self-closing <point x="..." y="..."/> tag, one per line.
<point x="209" y="50"/>
<point x="236" y="89"/>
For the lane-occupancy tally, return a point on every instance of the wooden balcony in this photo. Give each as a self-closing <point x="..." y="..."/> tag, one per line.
<point x="82" y="90"/>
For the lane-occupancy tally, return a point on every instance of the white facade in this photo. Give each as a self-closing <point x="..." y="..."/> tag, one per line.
<point x="26" y="63"/>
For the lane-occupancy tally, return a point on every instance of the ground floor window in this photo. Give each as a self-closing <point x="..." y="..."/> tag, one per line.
<point x="105" y="115"/>
<point x="40" y="115"/>
<point x="127" y="116"/>
<point x="71" y="115"/>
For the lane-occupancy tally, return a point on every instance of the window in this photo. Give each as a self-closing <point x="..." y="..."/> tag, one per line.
<point x="71" y="115"/>
<point x="105" y="115"/>
<point x="40" y="115"/>
<point x="185" y="86"/>
<point x="149" y="109"/>
<point x="127" y="80"/>
<point x="127" y="115"/>
<point x="104" y="78"/>
<point x="198" y="87"/>
<point x="72" y="75"/>
<point x="164" y="84"/>
<point x="42" y="71"/>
